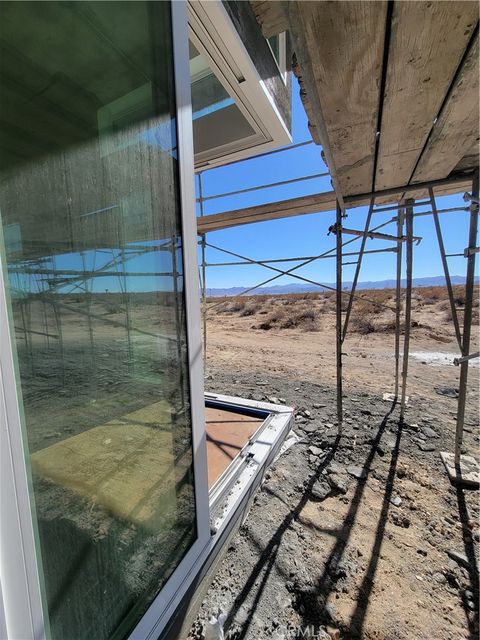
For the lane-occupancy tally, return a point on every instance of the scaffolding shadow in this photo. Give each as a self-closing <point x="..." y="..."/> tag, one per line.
<point x="314" y="598"/>
<point x="472" y="617"/>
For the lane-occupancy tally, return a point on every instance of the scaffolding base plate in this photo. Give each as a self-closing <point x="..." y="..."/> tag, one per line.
<point x="466" y="473"/>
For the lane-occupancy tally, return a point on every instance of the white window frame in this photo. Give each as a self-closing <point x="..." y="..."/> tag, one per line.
<point x="215" y="37"/>
<point x="282" y="55"/>
<point x="20" y="588"/>
<point x="21" y="603"/>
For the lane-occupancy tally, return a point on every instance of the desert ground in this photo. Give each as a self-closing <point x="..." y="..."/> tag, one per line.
<point x="361" y="536"/>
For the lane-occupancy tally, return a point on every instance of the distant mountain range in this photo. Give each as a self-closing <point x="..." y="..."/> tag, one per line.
<point x="434" y="281"/>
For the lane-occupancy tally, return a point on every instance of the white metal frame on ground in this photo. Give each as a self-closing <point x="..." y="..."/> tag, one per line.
<point x="258" y="451"/>
<point x="230" y="499"/>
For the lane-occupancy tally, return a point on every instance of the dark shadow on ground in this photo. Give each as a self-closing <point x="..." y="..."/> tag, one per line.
<point x="365" y="590"/>
<point x="471" y="616"/>
<point x="268" y="556"/>
<point x="311" y="602"/>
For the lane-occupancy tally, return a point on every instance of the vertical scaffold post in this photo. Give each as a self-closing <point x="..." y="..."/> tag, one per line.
<point x="357" y="270"/>
<point x="398" y="296"/>
<point x="446" y="270"/>
<point x="408" y="302"/>
<point x="467" y="317"/>
<point x="338" y="306"/>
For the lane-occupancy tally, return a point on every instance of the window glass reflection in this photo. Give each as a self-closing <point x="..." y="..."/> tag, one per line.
<point x="89" y="208"/>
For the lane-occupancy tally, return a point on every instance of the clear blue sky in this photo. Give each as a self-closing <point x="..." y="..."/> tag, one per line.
<point x="307" y="235"/>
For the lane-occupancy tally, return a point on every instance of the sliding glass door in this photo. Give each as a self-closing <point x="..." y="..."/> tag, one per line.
<point x="94" y="274"/>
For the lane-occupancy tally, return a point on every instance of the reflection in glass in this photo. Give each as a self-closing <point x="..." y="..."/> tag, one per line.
<point x="89" y="209"/>
<point x="217" y="120"/>
<point x="274" y="42"/>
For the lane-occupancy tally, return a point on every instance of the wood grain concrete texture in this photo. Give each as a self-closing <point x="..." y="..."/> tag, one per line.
<point x="339" y="48"/>
<point x="428" y="41"/>
<point x="429" y="107"/>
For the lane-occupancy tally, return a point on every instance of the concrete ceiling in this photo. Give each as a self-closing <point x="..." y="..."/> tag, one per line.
<point x="390" y="88"/>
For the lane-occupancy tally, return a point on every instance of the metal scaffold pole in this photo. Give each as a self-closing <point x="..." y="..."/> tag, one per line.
<point x="446" y="270"/>
<point x="398" y="296"/>
<point x="338" y="306"/>
<point x="357" y="269"/>
<point x="408" y="302"/>
<point x="470" y="254"/>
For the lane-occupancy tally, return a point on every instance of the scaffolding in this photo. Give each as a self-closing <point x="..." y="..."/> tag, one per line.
<point x="403" y="222"/>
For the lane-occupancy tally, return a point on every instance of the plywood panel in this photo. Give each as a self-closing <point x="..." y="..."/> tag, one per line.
<point x="227" y="433"/>
<point x="427" y="43"/>
<point x="339" y="47"/>
<point x="271" y="211"/>
<point x="457" y="126"/>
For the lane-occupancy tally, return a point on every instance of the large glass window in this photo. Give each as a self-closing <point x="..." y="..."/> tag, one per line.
<point x="92" y="249"/>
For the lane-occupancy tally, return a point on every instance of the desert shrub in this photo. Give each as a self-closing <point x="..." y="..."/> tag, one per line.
<point x="310" y="324"/>
<point x="113" y="308"/>
<point x="365" y="308"/>
<point x="250" y="309"/>
<point x="363" y="324"/>
<point x="305" y="318"/>
<point x="223" y="307"/>
<point x="277" y="315"/>
<point x="388" y="326"/>
<point x="237" y="305"/>
<point x="328" y="303"/>
<point x="444" y="305"/>
<point x="266" y="325"/>
<point x="273" y="319"/>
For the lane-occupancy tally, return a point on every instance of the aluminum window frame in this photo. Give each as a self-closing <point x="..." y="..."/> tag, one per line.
<point x="20" y="584"/>
<point x="23" y="611"/>
<point x="156" y="617"/>
<point x="281" y="62"/>
<point x="215" y="37"/>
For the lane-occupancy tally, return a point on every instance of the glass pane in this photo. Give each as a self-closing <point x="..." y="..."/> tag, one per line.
<point x="274" y="42"/>
<point x="217" y="120"/>
<point x="89" y="208"/>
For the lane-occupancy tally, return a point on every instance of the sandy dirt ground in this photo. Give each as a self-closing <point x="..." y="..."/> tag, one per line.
<point x="358" y="537"/>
